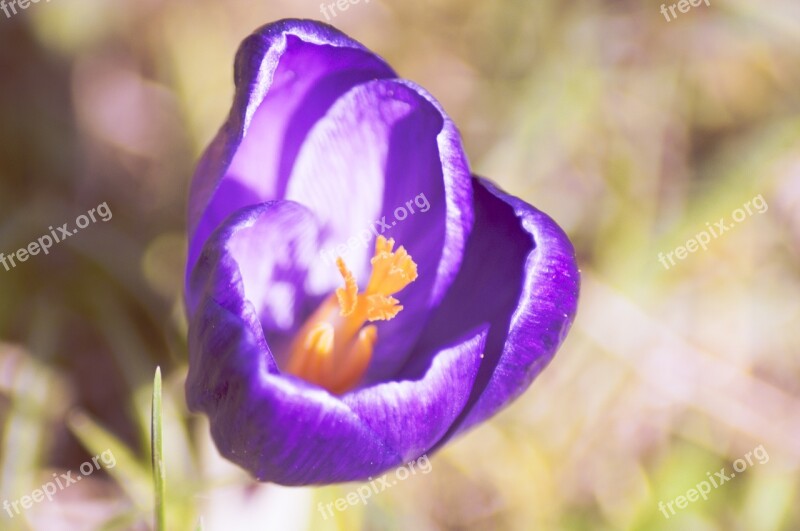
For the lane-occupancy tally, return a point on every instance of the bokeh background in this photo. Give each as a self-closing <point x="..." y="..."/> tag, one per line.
<point x="631" y="131"/>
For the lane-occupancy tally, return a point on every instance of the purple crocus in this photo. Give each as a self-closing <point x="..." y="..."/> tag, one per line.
<point x="447" y="297"/>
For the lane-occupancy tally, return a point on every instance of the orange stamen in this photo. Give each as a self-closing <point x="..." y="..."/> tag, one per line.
<point x="333" y="349"/>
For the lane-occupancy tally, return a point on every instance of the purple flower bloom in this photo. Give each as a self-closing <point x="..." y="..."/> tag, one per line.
<point x="308" y="369"/>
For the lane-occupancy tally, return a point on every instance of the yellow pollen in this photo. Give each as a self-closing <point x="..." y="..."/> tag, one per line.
<point x="333" y="348"/>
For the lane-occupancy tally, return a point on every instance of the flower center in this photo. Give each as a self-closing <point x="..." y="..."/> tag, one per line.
<point x="333" y="349"/>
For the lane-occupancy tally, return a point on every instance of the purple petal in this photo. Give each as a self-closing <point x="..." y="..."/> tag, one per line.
<point x="261" y="256"/>
<point x="287" y="76"/>
<point x="520" y="278"/>
<point x="278" y="428"/>
<point x="381" y="147"/>
<point x="412" y="415"/>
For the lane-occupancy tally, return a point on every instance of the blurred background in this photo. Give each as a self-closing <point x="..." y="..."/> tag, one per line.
<point x="635" y="133"/>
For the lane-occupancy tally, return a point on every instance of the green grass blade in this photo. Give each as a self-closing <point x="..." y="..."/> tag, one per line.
<point x="156" y="448"/>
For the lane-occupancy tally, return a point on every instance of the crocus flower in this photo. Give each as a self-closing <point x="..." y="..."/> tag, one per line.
<point x="317" y="369"/>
